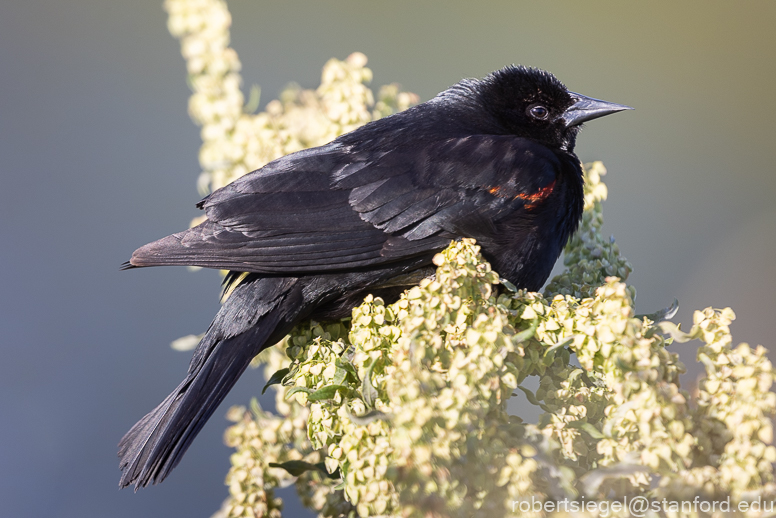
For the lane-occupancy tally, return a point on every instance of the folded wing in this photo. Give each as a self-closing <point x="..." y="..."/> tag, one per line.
<point x="341" y="207"/>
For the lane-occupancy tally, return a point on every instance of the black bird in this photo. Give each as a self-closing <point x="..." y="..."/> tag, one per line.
<point x="490" y="159"/>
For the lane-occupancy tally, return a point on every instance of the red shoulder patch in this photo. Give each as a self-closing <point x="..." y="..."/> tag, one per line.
<point x="538" y="197"/>
<point x="532" y="200"/>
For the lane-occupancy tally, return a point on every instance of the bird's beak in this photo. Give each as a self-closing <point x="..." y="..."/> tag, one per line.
<point x="587" y="108"/>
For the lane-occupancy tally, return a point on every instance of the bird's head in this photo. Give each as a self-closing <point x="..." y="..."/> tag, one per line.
<point x="532" y="103"/>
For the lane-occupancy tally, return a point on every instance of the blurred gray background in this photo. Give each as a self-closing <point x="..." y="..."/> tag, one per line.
<point x="98" y="156"/>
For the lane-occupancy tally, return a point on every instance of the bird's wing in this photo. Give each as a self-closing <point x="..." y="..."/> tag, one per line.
<point x="340" y="207"/>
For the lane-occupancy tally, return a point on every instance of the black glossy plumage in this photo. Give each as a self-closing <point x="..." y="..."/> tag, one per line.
<point x="320" y="228"/>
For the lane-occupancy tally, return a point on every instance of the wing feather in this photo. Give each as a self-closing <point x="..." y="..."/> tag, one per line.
<point x="347" y="206"/>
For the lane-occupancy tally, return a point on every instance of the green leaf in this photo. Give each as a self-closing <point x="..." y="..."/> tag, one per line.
<point x="508" y="285"/>
<point x="532" y="399"/>
<point x="275" y="379"/>
<point x="525" y="334"/>
<point x="323" y="393"/>
<point x="368" y="392"/>
<point x="663" y="314"/>
<point x="557" y="346"/>
<point x="347" y="368"/>
<point x="591" y="430"/>
<point x="582" y="374"/>
<point x="294" y="390"/>
<point x="339" y="376"/>
<point x="328" y="392"/>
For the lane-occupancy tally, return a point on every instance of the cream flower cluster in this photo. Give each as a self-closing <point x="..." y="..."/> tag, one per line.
<point x="401" y="410"/>
<point x="236" y="141"/>
<point x="407" y="401"/>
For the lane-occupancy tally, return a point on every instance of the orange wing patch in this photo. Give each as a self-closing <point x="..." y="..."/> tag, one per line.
<point x="537" y="197"/>
<point x="532" y="199"/>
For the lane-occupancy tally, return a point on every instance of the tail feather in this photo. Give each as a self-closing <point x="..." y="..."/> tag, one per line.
<point x="258" y="313"/>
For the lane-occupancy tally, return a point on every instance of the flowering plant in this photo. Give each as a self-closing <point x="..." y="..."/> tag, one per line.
<point x="402" y="409"/>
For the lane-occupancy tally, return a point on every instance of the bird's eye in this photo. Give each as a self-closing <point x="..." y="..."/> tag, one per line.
<point x="539" y="112"/>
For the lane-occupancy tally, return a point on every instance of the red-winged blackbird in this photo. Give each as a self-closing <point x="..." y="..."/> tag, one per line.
<point x="489" y="159"/>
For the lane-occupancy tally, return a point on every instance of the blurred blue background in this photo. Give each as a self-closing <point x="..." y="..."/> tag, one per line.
<point x="98" y="156"/>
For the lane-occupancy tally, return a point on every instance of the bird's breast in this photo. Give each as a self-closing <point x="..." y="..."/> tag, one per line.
<point x="527" y="243"/>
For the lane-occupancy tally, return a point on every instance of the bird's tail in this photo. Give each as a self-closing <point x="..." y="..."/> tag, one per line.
<point x="259" y="312"/>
